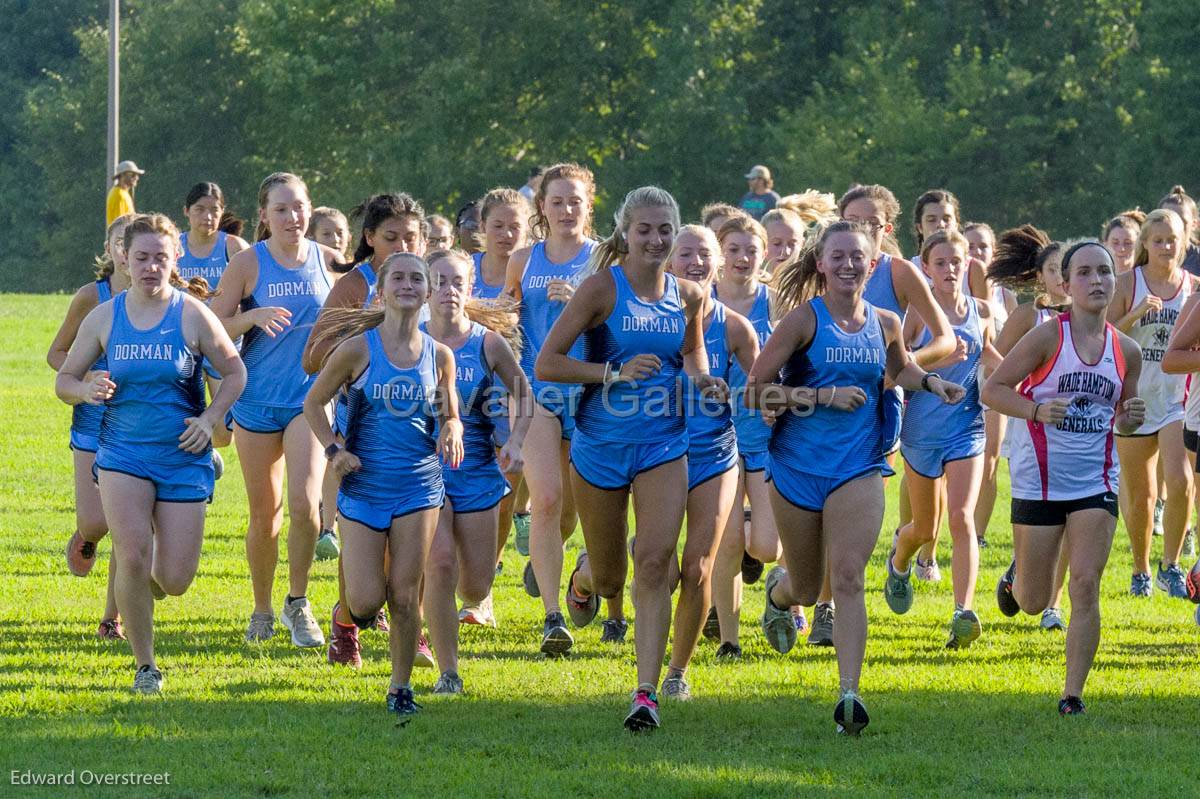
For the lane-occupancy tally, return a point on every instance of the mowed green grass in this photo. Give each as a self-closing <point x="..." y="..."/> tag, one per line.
<point x="273" y="720"/>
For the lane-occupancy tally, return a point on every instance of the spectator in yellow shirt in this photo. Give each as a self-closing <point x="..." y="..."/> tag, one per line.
<point x="120" y="197"/>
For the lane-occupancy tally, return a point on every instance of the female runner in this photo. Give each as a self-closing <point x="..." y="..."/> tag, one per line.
<point x="465" y="546"/>
<point x="328" y="226"/>
<point x="112" y="277"/>
<point x="832" y="352"/>
<point x="942" y="444"/>
<point x="712" y="450"/>
<point x="1120" y="234"/>
<point x="153" y="464"/>
<point x="1146" y="305"/>
<point x="271" y="294"/>
<point x="1078" y="378"/>
<point x="641" y="327"/>
<point x="401" y="384"/>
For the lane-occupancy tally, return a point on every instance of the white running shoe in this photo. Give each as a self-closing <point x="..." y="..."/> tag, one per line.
<point x="480" y="613"/>
<point x="926" y="572"/>
<point x="299" y="620"/>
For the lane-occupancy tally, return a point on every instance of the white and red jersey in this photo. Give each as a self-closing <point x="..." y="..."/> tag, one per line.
<point x="1077" y="457"/>
<point x="1164" y="394"/>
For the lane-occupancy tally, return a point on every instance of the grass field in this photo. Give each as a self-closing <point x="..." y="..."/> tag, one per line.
<point x="272" y="720"/>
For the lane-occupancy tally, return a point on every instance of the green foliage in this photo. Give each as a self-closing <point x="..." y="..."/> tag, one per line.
<point x="1060" y="113"/>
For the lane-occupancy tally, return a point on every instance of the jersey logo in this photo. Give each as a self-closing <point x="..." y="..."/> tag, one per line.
<point x="1162" y="336"/>
<point x="1080" y="404"/>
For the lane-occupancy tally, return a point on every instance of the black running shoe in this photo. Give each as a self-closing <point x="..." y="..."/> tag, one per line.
<point x="1070" y="706"/>
<point x="752" y="569"/>
<point x="850" y="714"/>
<point x="1004" y="598"/>
<point x="556" y="639"/>
<point x="729" y="652"/>
<point x="712" y="626"/>
<point x="401" y="702"/>
<point x="613" y="631"/>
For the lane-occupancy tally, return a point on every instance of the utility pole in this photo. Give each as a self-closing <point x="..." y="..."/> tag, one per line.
<point x="114" y="89"/>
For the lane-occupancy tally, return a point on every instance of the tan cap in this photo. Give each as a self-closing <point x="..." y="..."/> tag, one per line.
<point x="758" y="171"/>
<point x="129" y="166"/>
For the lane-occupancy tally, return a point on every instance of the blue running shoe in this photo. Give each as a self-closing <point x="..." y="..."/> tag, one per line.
<point x="401" y="702"/>
<point x="897" y="588"/>
<point x="1141" y="585"/>
<point x="1172" y="580"/>
<point x="1070" y="706"/>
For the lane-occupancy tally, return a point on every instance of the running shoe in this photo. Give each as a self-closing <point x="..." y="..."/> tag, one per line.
<point x="344" y="648"/>
<point x="381" y="622"/>
<point x="218" y="465"/>
<point x="850" y="714"/>
<point x="897" y="588"/>
<point x="821" y="633"/>
<point x="480" y="613"/>
<point x="1071" y="706"/>
<point x="964" y="629"/>
<point x="728" y="651"/>
<point x="613" y="631"/>
<point x="110" y="630"/>
<point x="261" y="628"/>
<point x="1052" y="619"/>
<point x="675" y="687"/>
<point x="777" y="623"/>
<point x="424" y="657"/>
<point x="927" y="572"/>
<point x="81" y="555"/>
<point x="1172" y="580"/>
<point x="752" y="569"/>
<point x="156" y="590"/>
<point x="800" y="619"/>
<point x="521" y="539"/>
<point x="147" y="681"/>
<point x="499" y="567"/>
<point x="982" y="542"/>
<point x="556" y="639"/>
<point x="643" y="713"/>
<point x="1004" y="597"/>
<point x="581" y="610"/>
<point x="712" y="626"/>
<point x="299" y="620"/>
<point x="1141" y="585"/>
<point x="530" y="580"/>
<point x="327" y="545"/>
<point x="1158" y="516"/>
<point x="1189" y="544"/>
<point x="448" y="683"/>
<point x="401" y="702"/>
<point x="1193" y="583"/>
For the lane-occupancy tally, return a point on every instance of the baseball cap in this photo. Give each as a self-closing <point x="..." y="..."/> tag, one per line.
<point x="758" y="171"/>
<point x="129" y="166"/>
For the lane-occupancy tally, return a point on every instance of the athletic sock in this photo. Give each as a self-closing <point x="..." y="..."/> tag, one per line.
<point x="289" y="599"/>
<point x="397" y="686"/>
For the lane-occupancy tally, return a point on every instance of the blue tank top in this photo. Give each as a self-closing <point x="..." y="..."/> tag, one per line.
<point x="829" y="442"/>
<point x="367" y="272"/>
<point x="85" y="418"/>
<point x="484" y="290"/>
<point x="159" y="384"/>
<point x="930" y="422"/>
<point x="478" y="400"/>
<point x="390" y="423"/>
<point x="274" y="375"/>
<point x="710" y="422"/>
<point x="880" y="290"/>
<point x="752" y="432"/>
<point x="648" y="410"/>
<point x="210" y="267"/>
<point x="539" y="314"/>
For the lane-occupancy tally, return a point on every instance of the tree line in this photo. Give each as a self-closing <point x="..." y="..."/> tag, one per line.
<point x="1056" y="113"/>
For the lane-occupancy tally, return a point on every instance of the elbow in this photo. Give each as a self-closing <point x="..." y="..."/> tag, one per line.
<point x="1171" y="365"/>
<point x="543" y="368"/>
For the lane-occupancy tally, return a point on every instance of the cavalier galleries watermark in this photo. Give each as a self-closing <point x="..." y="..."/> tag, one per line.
<point x="86" y="777"/>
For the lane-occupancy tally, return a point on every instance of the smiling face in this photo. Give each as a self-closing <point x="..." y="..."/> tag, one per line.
<point x="1091" y="278"/>
<point x="946" y="267"/>
<point x="504" y="230"/>
<point x="566" y="207"/>
<point x="743" y="255"/>
<point x="844" y="262"/>
<point x="983" y="247"/>
<point x="451" y="278"/>
<point x="204" y="215"/>
<point x="395" y="234"/>
<point x="287" y="212"/>
<point x="151" y="260"/>
<point x="867" y="212"/>
<point x="405" y="284"/>
<point x="783" y="237"/>
<point x="650" y="235"/>
<point x="694" y="258"/>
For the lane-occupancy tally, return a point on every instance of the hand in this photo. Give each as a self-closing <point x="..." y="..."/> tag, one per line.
<point x="344" y="462"/>
<point x="271" y="319"/>
<point x="97" y="388"/>
<point x="450" y="445"/>
<point x="712" y="388"/>
<point x="1055" y="410"/>
<point x="950" y="393"/>
<point x="958" y="356"/>
<point x="842" y="398"/>
<point x="510" y="459"/>
<point x="196" y="436"/>
<point x="1151" y="302"/>
<point x="639" y="367"/>
<point x="559" y="290"/>
<point x="1134" y="410"/>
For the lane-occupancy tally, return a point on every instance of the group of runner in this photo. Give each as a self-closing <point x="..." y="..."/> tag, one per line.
<point x="449" y="381"/>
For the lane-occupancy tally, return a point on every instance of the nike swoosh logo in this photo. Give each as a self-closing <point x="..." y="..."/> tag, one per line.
<point x="165" y="332"/>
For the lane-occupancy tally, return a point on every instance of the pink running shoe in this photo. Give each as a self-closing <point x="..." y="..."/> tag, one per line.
<point x="110" y="630"/>
<point x="424" y="654"/>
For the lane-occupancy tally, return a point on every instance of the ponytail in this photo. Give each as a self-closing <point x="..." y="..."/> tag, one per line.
<point x="798" y="281"/>
<point x="608" y="251"/>
<point x="500" y="315"/>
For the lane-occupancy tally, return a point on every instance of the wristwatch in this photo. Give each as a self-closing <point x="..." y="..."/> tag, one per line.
<point x="332" y="450"/>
